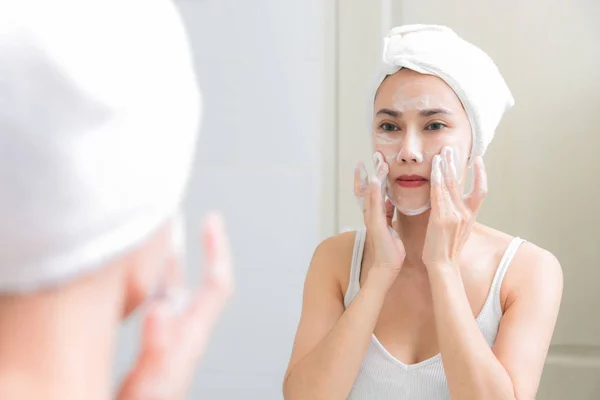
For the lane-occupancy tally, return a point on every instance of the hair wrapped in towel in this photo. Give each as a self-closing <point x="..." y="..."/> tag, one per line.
<point x="471" y="73"/>
<point x="99" y="114"/>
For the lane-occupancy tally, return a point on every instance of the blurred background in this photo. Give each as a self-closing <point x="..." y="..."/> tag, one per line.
<point x="285" y="85"/>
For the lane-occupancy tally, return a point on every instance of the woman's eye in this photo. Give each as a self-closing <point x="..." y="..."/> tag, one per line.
<point x="435" y="126"/>
<point x="386" y="126"/>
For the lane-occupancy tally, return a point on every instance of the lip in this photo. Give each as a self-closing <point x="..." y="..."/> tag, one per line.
<point x="411" y="181"/>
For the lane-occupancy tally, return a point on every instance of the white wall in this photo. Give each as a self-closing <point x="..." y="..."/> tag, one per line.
<point x="262" y="67"/>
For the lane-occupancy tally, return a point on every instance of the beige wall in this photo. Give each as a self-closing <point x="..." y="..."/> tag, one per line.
<point x="544" y="164"/>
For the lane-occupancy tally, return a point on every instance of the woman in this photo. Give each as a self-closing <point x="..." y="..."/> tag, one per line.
<point x="431" y="304"/>
<point x="99" y="118"/>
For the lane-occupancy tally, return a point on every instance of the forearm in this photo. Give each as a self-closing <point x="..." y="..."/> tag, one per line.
<point x="472" y="369"/>
<point x="329" y="370"/>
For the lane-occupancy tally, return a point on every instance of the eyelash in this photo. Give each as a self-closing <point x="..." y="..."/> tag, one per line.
<point x="382" y="126"/>
<point x="436" y="123"/>
<point x="395" y="128"/>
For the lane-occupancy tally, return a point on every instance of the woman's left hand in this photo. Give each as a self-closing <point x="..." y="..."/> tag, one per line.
<point x="452" y="216"/>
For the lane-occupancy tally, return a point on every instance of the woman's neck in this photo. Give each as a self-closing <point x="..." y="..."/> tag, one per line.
<point x="412" y="230"/>
<point x="59" y="344"/>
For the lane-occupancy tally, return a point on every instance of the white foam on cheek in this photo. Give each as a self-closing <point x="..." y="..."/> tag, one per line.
<point x="415" y="151"/>
<point x="383" y="138"/>
<point x="390" y="157"/>
<point x="436" y="172"/>
<point x="457" y="164"/>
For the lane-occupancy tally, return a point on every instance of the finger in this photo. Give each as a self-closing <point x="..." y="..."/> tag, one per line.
<point x="451" y="176"/>
<point x="437" y="195"/>
<point x="175" y="274"/>
<point x="480" y="187"/>
<point x="453" y="190"/>
<point x="382" y="169"/>
<point x="360" y="184"/>
<point x="449" y="207"/>
<point x="217" y="284"/>
<point x="375" y="219"/>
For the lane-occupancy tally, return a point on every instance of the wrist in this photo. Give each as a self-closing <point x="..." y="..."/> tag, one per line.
<point x="443" y="270"/>
<point x="441" y="265"/>
<point x="381" y="277"/>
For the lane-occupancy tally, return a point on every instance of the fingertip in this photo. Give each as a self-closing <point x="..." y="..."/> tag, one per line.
<point x="452" y="164"/>
<point x="217" y="251"/>
<point x="385" y="168"/>
<point x="377" y="159"/>
<point x="212" y="224"/>
<point x="214" y="220"/>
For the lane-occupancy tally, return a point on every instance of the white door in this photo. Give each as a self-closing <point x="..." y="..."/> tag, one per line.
<point x="544" y="164"/>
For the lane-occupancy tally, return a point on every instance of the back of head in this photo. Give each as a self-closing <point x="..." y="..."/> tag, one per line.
<point x="99" y="114"/>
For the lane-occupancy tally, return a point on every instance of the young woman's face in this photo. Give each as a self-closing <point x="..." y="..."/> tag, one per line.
<point x="414" y="117"/>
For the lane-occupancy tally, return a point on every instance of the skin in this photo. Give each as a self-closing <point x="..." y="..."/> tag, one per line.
<point x="423" y="286"/>
<point x="60" y="343"/>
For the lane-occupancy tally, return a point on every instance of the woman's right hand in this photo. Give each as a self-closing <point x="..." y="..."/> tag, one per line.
<point x="174" y="339"/>
<point x="387" y="249"/>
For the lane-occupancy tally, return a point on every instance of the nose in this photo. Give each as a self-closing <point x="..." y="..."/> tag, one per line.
<point x="411" y="151"/>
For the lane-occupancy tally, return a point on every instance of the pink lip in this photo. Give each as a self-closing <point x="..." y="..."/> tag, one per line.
<point x="411" y="181"/>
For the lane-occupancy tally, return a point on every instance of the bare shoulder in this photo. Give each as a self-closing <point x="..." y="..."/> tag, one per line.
<point x="533" y="270"/>
<point x="333" y="257"/>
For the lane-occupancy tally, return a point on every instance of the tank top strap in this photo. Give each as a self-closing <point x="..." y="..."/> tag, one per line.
<point x="355" y="266"/>
<point x="505" y="261"/>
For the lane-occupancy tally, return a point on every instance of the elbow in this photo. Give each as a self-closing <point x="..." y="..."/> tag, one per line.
<point x="524" y="396"/>
<point x="286" y="387"/>
<point x="484" y="386"/>
<point x="290" y="388"/>
<point x="297" y="388"/>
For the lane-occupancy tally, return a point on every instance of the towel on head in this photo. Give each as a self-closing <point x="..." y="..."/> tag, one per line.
<point x="471" y="73"/>
<point x="99" y="114"/>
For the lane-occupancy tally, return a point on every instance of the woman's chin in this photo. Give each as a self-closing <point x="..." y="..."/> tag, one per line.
<point x="411" y="208"/>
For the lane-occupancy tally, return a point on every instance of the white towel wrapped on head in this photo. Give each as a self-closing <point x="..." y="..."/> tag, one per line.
<point x="471" y="73"/>
<point x="99" y="114"/>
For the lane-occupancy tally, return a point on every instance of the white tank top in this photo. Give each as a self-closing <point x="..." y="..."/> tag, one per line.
<point x="383" y="377"/>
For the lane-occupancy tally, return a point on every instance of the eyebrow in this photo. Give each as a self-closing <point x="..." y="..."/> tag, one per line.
<point x="428" y="112"/>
